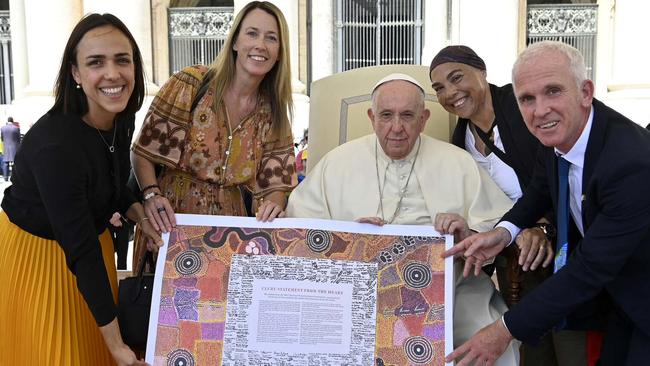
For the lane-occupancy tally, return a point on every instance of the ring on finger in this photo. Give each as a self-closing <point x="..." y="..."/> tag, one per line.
<point x="161" y="209"/>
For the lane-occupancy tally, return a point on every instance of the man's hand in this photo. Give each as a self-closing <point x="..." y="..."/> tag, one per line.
<point x="485" y="347"/>
<point x="451" y="223"/>
<point x="535" y="249"/>
<point x="479" y="248"/>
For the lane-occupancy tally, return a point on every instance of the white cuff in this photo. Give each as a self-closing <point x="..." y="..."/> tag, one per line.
<point x="512" y="229"/>
<point x="503" y="320"/>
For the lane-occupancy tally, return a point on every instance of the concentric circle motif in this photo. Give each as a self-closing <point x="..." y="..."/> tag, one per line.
<point x="188" y="262"/>
<point x="417" y="275"/>
<point x="418" y="350"/>
<point x="180" y="357"/>
<point x="319" y="240"/>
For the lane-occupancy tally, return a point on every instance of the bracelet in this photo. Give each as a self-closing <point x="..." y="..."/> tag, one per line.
<point x="149" y="187"/>
<point x="150" y="194"/>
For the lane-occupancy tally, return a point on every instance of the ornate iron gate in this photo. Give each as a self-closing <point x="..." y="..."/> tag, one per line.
<point x="196" y="35"/>
<point x="378" y="32"/>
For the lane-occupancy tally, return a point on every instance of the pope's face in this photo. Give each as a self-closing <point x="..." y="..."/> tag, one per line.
<point x="398" y="117"/>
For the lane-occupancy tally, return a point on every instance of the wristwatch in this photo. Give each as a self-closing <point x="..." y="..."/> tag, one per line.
<point x="547" y="229"/>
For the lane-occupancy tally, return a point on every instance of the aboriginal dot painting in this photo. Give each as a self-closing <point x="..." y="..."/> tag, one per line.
<point x="410" y="327"/>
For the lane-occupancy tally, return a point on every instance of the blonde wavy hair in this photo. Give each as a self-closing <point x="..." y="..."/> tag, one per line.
<point x="276" y="84"/>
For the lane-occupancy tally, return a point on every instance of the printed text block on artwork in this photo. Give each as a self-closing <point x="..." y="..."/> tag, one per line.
<point x="413" y="285"/>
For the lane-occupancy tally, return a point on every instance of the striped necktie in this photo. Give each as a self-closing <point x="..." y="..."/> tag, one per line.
<point x="562" y="213"/>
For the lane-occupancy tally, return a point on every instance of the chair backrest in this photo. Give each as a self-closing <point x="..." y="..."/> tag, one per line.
<point x="339" y="103"/>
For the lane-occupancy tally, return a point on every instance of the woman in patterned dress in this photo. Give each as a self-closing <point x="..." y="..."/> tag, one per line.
<point x="231" y="141"/>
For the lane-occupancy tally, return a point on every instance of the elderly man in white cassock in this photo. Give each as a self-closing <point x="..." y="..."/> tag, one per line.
<point x="399" y="176"/>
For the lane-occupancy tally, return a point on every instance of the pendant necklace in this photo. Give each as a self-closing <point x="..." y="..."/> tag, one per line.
<point x="402" y="191"/>
<point x="111" y="147"/>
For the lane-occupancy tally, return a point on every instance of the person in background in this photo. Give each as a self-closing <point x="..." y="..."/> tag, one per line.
<point x="235" y="143"/>
<point x="301" y="157"/>
<point x="58" y="282"/>
<point x="399" y="176"/>
<point x="593" y="170"/>
<point x="10" y="135"/>
<point x="491" y="129"/>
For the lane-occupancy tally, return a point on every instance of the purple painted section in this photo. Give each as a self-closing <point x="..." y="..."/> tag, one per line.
<point x="212" y="331"/>
<point x="434" y="331"/>
<point x="185" y="302"/>
<point x="167" y="315"/>
<point x="185" y="282"/>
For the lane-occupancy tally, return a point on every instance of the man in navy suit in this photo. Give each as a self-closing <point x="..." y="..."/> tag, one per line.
<point x="605" y="281"/>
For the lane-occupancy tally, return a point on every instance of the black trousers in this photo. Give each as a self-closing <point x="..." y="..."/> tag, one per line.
<point x="624" y="343"/>
<point x="121" y="236"/>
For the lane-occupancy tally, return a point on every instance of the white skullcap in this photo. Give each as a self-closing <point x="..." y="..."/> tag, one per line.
<point x="397" y="76"/>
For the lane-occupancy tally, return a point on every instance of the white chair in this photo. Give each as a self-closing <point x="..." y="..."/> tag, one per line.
<point x="338" y="105"/>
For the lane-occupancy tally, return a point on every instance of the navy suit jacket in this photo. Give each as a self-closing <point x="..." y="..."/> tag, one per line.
<point x="613" y="258"/>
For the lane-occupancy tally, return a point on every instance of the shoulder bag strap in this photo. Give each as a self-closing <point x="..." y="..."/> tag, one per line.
<point x="489" y="143"/>
<point x="203" y="88"/>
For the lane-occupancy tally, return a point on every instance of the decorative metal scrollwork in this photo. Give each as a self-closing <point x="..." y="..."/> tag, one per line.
<point x="200" y="22"/>
<point x="5" y="26"/>
<point x="562" y="19"/>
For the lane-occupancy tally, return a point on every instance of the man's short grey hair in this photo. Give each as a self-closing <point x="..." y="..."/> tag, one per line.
<point x="538" y="49"/>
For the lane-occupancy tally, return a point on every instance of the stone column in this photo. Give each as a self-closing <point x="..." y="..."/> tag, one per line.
<point x="18" y="49"/>
<point x="160" y="40"/>
<point x="322" y="39"/>
<point x="47" y="26"/>
<point x="435" y="29"/>
<point x="628" y="84"/>
<point x="497" y="41"/>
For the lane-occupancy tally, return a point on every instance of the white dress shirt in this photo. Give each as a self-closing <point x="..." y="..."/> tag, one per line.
<point x="576" y="156"/>
<point x="502" y="174"/>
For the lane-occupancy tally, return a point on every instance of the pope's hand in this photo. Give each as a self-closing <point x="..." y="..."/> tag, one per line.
<point x="371" y="220"/>
<point x="451" y="223"/>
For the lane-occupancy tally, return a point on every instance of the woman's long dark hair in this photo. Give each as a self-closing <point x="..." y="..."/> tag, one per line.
<point x="70" y="100"/>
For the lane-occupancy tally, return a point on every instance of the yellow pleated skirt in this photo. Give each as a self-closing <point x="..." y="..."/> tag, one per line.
<point x="44" y="320"/>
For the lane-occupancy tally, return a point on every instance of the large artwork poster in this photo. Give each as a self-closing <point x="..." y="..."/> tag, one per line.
<point x="383" y="294"/>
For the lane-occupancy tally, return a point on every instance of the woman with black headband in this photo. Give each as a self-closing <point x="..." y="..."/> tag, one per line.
<point x="491" y="129"/>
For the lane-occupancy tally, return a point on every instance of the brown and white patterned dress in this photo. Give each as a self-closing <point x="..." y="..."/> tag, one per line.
<point x="207" y="165"/>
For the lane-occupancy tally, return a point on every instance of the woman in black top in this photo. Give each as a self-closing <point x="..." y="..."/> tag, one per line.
<point x="58" y="281"/>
